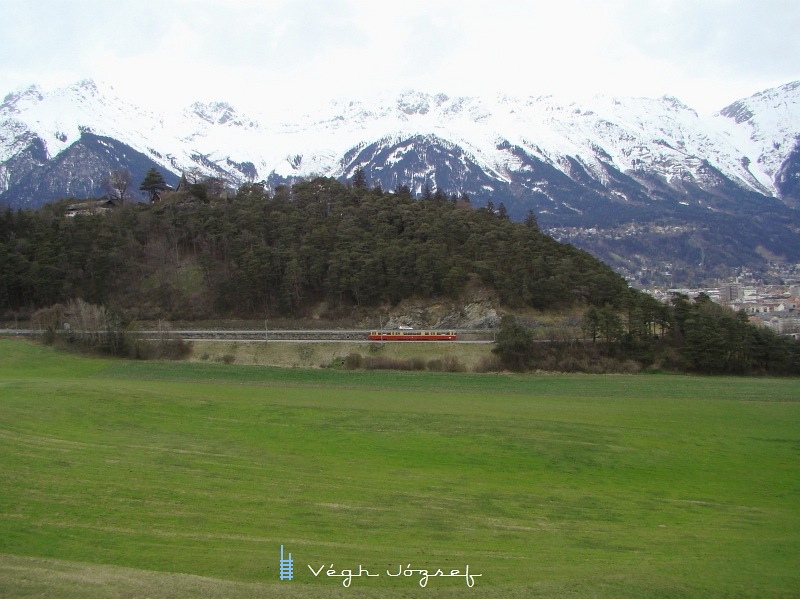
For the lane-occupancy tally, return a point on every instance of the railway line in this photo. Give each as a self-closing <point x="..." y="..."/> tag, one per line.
<point x="266" y="335"/>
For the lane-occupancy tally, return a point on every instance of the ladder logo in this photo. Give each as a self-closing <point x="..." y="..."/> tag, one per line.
<point x="287" y="567"/>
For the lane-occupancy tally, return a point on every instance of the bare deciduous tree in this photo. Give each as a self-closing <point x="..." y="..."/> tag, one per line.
<point x="117" y="184"/>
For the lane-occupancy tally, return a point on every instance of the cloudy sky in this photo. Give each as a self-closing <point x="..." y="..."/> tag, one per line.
<point x="265" y="55"/>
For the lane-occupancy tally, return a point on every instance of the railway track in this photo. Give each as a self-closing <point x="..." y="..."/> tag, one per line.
<point x="464" y="335"/>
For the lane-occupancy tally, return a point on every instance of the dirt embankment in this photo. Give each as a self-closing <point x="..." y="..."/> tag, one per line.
<point x="469" y="356"/>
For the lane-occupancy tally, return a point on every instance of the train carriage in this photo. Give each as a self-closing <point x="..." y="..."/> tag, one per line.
<point x="412" y="336"/>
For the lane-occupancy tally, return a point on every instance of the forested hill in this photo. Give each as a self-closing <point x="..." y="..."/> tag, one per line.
<point x="195" y="255"/>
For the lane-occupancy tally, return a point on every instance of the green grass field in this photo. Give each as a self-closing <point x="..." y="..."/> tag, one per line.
<point x="136" y="479"/>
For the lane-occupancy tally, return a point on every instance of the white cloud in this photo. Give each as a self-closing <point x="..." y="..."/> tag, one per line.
<point x="269" y="53"/>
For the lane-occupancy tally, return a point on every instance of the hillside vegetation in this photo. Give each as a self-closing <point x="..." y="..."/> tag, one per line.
<point x="331" y="252"/>
<point x="196" y="255"/>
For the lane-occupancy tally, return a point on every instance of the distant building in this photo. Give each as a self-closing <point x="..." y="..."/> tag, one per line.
<point x="91" y="207"/>
<point x="730" y="293"/>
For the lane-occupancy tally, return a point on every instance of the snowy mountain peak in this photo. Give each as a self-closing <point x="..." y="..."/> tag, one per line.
<point x="676" y="104"/>
<point x="783" y="99"/>
<point x="414" y="102"/>
<point x="218" y="113"/>
<point x="768" y="127"/>
<point x="596" y="141"/>
<point x="17" y="101"/>
<point x="86" y="86"/>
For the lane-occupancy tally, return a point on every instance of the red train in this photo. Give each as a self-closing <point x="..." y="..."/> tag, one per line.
<point x="412" y="336"/>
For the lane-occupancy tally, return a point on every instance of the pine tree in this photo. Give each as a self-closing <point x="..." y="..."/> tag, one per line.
<point x="153" y="183"/>
<point x="360" y="178"/>
<point x="502" y="212"/>
<point x="531" y="221"/>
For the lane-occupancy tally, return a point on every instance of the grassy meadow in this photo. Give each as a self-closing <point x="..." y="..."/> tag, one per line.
<point x="177" y="479"/>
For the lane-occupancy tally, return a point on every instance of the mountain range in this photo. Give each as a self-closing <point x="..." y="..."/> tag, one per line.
<point x="648" y="185"/>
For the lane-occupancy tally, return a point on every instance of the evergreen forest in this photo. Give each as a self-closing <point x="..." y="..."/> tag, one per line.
<point x="198" y="256"/>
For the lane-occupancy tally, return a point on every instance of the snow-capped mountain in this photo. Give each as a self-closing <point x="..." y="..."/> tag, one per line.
<point x="768" y="124"/>
<point x="601" y="163"/>
<point x="747" y="143"/>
